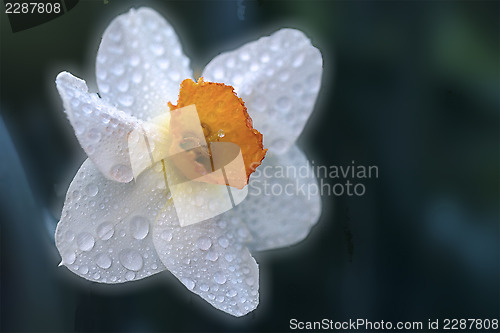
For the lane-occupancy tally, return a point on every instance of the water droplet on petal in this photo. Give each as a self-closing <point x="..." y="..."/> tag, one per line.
<point x="137" y="78"/>
<point x="131" y="259"/>
<point x="126" y="100"/>
<point x="134" y="60"/>
<point x="166" y="236"/>
<point x="85" y="241"/>
<point x="68" y="257"/>
<point x="163" y="63"/>
<point x="105" y="231"/>
<point x="103" y="260"/>
<point x="76" y="195"/>
<point x="175" y="75"/>
<point x="92" y="190"/>
<point x="220" y="278"/>
<point x="218" y="73"/>
<point x="220" y="133"/>
<point x="122" y="173"/>
<point x="279" y="145"/>
<point x="122" y="86"/>
<point x="139" y="226"/>
<point x="204" y="243"/>
<point x="83" y="269"/>
<point x="224" y="242"/>
<point x="129" y="276"/>
<point x="283" y="104"/>
<point x="79" y="127"/>
<point x="250" y="281"/>
<point x="87" y="109"/>
<point x="204" y="287"/>
<point x="212" y="255"/>
<point x="69" y="236"/>
<point x="231" y="293"/>
<point x="188" y="283"/>
<point x="157" y="49"/>
<point x="298" y="61"/>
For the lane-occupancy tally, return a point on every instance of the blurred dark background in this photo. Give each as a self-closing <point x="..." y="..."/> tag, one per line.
<point x="412" y="87"/>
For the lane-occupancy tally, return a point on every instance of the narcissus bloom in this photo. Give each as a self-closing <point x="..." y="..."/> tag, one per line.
<point x="119" y="226"/>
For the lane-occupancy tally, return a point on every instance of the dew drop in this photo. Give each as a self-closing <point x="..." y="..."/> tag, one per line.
<point x="230" y="62"/>
<point x="279" y="145"/>
<point x="244" y="56"/>
<point x="122" y="86"/>
<point x="139" y="226"/>
<point x="218" y="73"/>
<point x="298" y="61"/>
<point x="220" y="278"/>
<point x="157" y="49"/>
<point x="122" y="173"/>
<point x="250" y="281"/>
<point x="243" y="232"/>
<point x="96" y="276"/>
<point x="103" y="260"/>
<point x="69" y="236"/>
<point x="104" y="88"/>
<point x="220" y="133"/>
<point x="220" y="298"/>
<point x="134" y="60"/>
<point x="117" y="69"/>
<point x="166" y="236"/>
<point x="77" y="195"/>
<point x="75" y="103"/>
<point x="265" y="58"/>
<point x="175" y="75"/>
<point x="224" y="242"/>
<point x="137" y="78"/>
<point x="129" y="276"/>
<point x="204" y="243"/>
<point x="87" y="109"/>
<point x="84" y="270"/>
<point x="131" y="259"/>
<point x="163" y="63"/>
<point x="204" y="287"/>
<point x="105" y="231"/>
<point x="188" y="283"/>
<point x="283" y="104"/>
<point x="68" y="257"/>
<point x="126" y="100"/>
<point x="92" y="190"/>
<point x="313" y="82"/>
<point x="212" y="256"/>
<point x="231" y="293"/>
<point x="85" y="241"/>
<point x="79" y="127"/>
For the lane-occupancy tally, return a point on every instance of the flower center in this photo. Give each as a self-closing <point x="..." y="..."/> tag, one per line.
<point x="222" y="119"/>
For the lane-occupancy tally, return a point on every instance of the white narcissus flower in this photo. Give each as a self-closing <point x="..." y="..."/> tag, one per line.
<point x="114" y="229"/>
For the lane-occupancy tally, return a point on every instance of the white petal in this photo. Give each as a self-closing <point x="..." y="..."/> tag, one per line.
<point x="282" y="204"/>
<point x="105" y="232"/>
<point x="206" y="258"/>
<point x="102" y="130"/>
<point x="278" y="77"/>
<point x="140" y="64"/>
